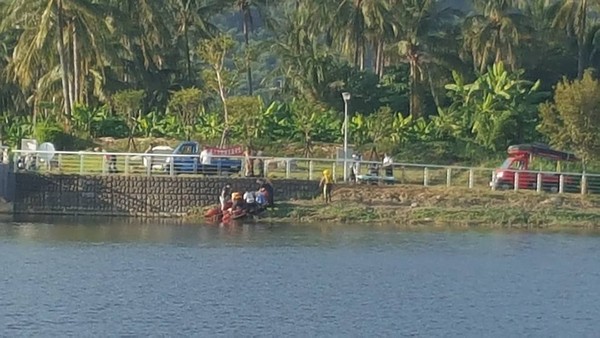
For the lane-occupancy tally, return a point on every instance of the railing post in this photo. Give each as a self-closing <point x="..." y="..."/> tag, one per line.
<point x="516" y="182"/>
<point x="583" y="184"/>
<point x="288" y="168"/>
<point x="172" y="167"/>
<point x="149" y="165"/>
<point x="333" y="172"/>
<point x="449" y="177"/>
<point x="104" y="164"/>
<point x="538" y="183"/>
<point x="195" y="165"/>
<point x="311" y="167"/>
<point x="126" y="171"/>
<point x="403" y="175"/>
<point x="265" y="165"/>
<point x="15" y="162"/>
<point x="80" y="163"/>
<point x="471" y="178"/>
<point x="426" y="177"/>
<point x="561" y="184"/>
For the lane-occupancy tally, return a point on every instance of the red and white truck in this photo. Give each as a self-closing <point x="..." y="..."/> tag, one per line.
<point x="517" y="169"/>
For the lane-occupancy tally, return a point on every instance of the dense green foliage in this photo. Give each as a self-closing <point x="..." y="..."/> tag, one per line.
<point x="465" y="80"/>
<point x="573" y="120"/>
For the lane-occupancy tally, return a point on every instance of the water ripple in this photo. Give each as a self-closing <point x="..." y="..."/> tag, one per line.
<point x="96" y="279"/>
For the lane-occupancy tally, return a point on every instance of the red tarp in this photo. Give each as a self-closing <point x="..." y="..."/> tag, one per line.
<point x="235" y="150"/>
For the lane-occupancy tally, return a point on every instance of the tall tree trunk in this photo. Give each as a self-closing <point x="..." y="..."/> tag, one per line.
<point x="186" y="38"/>
<point x="60" y="45"/>
<point x="188" y="58"/>
<point x="69" y="62"/>
<point x="358" y="30"/>
<point x="362" y="57"/>
<point x="581" y="50"/>
<point x="76" y="67"/>
<point x="416" y="106"/>
<point x="225" y="112"/>
<point x="357" y="50"/>
<point x="434" y="93"/>
<point x="246" y="29"/>
<point x="379" y="58"/>
<point x="376" y="57"/>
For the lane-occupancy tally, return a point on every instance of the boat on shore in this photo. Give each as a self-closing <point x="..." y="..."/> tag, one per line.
<point x="217" y="215"/>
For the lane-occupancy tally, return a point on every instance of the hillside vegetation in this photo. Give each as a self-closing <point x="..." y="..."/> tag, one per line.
<point x="458" y="81"/>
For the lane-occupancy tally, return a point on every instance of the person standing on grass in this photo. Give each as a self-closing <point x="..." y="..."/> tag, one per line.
<point x="248" y="162"/>
<point x="327" y="185"/>
<point x="388" y="165"/>
<point x="260" y="164"/>
<point x="355" y="172"/>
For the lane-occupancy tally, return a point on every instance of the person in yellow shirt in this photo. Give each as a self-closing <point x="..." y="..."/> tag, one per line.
<point x="327" y="185"/>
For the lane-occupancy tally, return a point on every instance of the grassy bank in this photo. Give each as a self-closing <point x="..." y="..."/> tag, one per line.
<point x="410" y="206"/>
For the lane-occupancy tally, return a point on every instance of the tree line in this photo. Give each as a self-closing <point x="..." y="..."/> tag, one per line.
<point x="471" y="78"/>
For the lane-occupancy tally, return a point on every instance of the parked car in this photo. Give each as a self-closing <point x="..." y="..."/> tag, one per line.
<point x="201" y="161"/>
<point x="157" y="162"/>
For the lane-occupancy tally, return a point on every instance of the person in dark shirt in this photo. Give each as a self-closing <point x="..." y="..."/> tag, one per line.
<point x="238" y="202"/>
<point x="264" y="183"/>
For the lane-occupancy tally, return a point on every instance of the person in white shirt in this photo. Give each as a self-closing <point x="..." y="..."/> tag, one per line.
<point x="250" y="201"/>
<point x="388" y="165"/>
<point x="249" y="197"/>
<point x="356" y="167"/>
<point x="205" y="157"/>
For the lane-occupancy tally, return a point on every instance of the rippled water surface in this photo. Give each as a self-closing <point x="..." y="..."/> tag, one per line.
<point x="99" y="277"/>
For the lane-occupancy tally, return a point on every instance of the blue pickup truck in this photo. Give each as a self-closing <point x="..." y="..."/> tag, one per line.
<point x="192" y="163"/>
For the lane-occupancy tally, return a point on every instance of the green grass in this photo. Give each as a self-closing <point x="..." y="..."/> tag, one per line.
<point x="443" y="207"/>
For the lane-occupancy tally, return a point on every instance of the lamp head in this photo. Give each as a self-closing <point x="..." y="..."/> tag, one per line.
<point x="346" y="96"/>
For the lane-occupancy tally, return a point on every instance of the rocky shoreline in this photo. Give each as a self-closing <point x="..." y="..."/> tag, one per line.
<point x="415" y="206"/>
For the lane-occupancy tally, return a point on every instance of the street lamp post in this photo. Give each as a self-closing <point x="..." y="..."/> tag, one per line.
<point x="346" y="96"/>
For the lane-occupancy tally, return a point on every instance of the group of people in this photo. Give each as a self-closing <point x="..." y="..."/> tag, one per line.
<point x="254" y="160"/>
<point x="326" y="183"/>
<point x="373" y="168"/>
<point x="250" y="202"/>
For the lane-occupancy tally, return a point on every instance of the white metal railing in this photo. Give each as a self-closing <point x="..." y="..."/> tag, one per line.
<point x="4" y="157"/>
<point x="149" y="164"/>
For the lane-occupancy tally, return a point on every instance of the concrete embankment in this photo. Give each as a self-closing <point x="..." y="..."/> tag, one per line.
<point x="120" y="195"/>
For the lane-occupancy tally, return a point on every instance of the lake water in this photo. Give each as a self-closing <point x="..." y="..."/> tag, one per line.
<point x="102" y="277"/>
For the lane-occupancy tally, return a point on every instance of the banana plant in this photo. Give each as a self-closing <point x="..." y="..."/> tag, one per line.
<point x="151" y="125"/>
<point x="401" y="126"/>
<point x="14" y="128"/>
<point x="84" y="117"/>
<point x="497" y="109"/>
<point x="209" y="126"/>
<point x="359" y="131"/>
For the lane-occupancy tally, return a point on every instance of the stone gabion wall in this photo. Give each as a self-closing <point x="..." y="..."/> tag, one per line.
<point x="135" y="195"/>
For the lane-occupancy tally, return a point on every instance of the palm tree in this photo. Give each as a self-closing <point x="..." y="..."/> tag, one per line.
<point x="354" y="24"/>
<point x="193" y="18"/>
<point x="494" y="32"/>
<point x="143" y="34"/>
<point x="246" y="8"/>
<point x="426" y="37"/>
<point x="572" y="16"/>
<point x="75" y="27"/>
